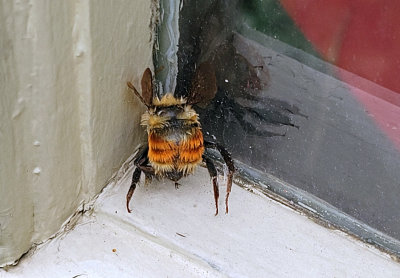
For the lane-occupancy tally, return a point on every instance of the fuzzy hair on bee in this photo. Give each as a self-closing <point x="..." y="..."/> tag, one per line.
<point x="175" y="144"/>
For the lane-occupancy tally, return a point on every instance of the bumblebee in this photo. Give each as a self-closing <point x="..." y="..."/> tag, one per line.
<point x="175" y="144"/>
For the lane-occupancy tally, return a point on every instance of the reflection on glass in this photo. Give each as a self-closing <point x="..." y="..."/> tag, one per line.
<point x="312" y="99"/>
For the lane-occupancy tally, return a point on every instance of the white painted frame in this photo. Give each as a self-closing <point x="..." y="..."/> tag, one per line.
<point x="67" y="120"/>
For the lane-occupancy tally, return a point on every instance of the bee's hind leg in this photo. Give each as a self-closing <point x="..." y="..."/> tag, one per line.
<point x="148" y="172"/>
<point x="231" y="167"/>
<point x="214" y="177"/>
<point x="141" y="162"/>
<point x="135" y="180"/>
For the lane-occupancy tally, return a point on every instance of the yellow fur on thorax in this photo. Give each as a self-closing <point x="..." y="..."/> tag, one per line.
<point x="168" y="100"/>
<point x="151" y="120"/>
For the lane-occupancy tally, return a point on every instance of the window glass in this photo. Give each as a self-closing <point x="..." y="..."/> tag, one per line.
<point x="307" y="92"/>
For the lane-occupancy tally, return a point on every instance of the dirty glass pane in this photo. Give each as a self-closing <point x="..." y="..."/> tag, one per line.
<point x="307" y="92"/>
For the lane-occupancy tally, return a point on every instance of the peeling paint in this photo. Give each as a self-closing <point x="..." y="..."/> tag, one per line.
<point x="19" y="108"/>
<point x="37" y="170"/>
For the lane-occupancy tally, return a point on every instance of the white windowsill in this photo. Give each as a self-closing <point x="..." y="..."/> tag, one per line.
<point x="174" y="233"/>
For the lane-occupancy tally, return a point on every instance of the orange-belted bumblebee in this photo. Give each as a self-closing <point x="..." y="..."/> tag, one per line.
<point x="175" y="144"/>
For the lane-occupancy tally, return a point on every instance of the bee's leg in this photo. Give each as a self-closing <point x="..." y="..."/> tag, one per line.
<point x="231" y="168"/>
<point x="140" y="163"/>
<point x="135" y="180"/>
<point x="141" y="156"/>
<point x="214" y="176"/>
<point x="147" y="169"/>
<point x="148" y="179"/>
<point x="148" y="172"/>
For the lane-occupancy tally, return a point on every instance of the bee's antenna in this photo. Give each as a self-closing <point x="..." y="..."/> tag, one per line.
<point x="130" y="85"/>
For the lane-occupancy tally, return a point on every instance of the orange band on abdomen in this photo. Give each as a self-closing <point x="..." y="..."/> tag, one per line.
<point x="192" y="149"/>
<point x="166" y="155"/>
<point x="161" y="151"/>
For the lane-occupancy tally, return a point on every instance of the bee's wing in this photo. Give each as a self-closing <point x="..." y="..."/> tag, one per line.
<point x="147" y="87"/>
<point x="204" y="84"/>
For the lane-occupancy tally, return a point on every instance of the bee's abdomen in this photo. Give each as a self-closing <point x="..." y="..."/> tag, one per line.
<point x="161" y="153"/>
<point x="183" y="156"/>
<point x="192" y="149"/>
